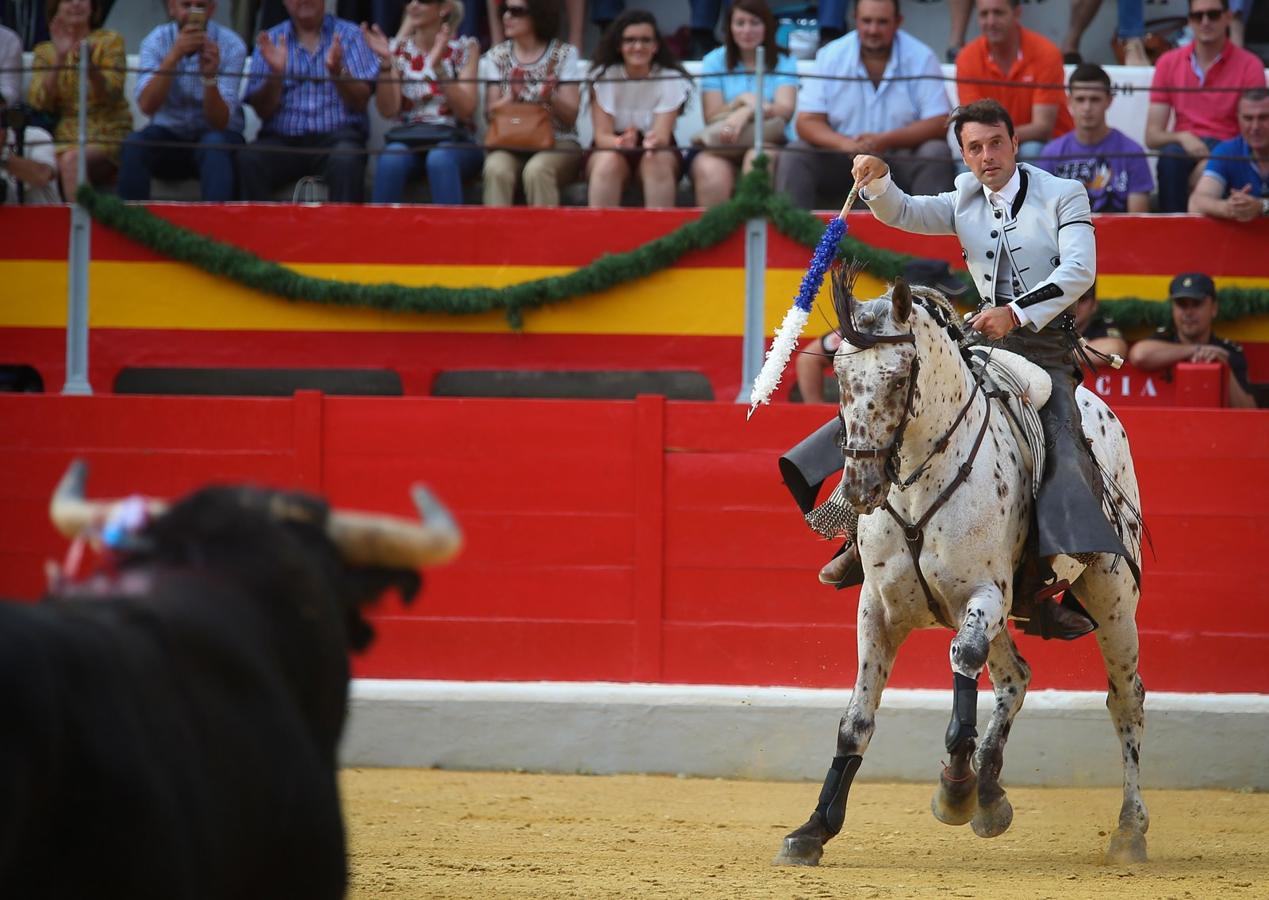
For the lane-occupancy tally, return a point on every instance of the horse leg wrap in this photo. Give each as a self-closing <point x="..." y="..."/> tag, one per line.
<point x="962" y="728"/>
<point x="832" y="804"/>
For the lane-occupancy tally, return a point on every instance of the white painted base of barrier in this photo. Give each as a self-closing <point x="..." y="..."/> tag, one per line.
<point x="1060" y="738"/>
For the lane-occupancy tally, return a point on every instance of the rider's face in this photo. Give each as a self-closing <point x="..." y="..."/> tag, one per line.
<point x="990" y="153"/>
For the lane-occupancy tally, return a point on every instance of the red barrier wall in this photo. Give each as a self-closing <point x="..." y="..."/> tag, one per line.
<point x="642" y="541"/>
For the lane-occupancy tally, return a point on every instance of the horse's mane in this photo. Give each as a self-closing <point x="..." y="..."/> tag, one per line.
<point x="935" y="303"/>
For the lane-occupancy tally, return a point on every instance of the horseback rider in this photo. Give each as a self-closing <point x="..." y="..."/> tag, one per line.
<point x="1027" y="238"/>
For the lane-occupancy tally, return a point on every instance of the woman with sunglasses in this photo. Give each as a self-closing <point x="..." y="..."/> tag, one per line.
<point x="427" y="77"/>
<point x="636" y="97"/>
<point x="729" y="96"/>
<point x="532" y="66"/>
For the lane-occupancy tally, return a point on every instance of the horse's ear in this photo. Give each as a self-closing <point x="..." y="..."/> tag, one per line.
<point x="901" y="300"/>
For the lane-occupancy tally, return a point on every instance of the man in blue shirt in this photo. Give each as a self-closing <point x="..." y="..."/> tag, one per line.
<point x="878" y="91"/>
<point x="188" y="86"/>
<point x="1235" y="184"/>
<point x="310" y="81"/>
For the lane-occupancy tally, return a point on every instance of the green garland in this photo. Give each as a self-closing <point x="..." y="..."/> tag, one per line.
<point x="754" y="198"/>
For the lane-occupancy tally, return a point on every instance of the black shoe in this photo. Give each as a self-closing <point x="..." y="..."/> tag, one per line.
<point x="1064" y="621"/>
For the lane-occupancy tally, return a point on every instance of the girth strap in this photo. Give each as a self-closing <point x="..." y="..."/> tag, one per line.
<point x="914" y="533"/>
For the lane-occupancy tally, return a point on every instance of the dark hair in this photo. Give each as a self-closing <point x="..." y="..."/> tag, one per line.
<point x="545" y="16"/>
<point x="760" y="9"/>
<point x="608" y="51"/>
<point x="1089" y="72"/>
<point x="1224" y="5"/>
<point x="94" y="11"/>
<point x="1255" y="95"/>
<point x="984" y="112"/>
<point x="894" y="3"/>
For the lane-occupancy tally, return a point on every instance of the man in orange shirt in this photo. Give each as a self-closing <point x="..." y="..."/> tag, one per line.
<point x="1008" y="52"/>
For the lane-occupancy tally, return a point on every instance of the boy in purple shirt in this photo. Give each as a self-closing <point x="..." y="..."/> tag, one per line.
<point x="1111" y="166"/>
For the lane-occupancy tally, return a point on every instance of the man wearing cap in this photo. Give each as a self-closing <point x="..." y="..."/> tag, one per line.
<point x="1190" y="339"/>
<point x="817" y="355"/>
<point x="1027" y="237"/>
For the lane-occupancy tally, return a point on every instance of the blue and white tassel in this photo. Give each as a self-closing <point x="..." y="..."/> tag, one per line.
<point x="799" y="313"/>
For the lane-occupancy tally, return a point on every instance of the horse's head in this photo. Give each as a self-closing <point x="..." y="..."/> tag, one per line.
<point x="876" y="367"/>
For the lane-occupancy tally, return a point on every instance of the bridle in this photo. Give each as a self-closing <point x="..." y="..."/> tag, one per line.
<point x="913" y="532"/>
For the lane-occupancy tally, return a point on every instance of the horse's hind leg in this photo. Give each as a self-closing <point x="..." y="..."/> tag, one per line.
<point x="878" y="645"/>
<point x="1111" y="597"/>
<point x="1010" y="676"/>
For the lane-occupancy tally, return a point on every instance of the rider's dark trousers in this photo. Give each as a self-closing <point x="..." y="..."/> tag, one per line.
<point x="1069" y="515"/>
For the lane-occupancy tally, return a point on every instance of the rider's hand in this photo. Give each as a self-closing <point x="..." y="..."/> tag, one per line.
<point x="994" y="323"/>
<point x="866" y="169"/>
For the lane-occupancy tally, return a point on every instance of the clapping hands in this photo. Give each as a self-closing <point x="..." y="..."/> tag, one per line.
<point x="274" y="54"/>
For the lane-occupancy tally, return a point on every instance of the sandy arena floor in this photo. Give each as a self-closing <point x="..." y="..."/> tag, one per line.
<point x="437" y="834"/>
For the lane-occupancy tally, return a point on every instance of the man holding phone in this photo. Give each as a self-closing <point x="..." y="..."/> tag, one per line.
<point x="189" y="87"/>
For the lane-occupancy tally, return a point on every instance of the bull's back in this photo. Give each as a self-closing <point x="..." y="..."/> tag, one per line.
<point x="138" y="759"/>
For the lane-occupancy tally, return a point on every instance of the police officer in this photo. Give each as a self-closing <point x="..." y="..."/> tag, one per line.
<point x="1190" y="337"/>
<point x="1027" y="238"/>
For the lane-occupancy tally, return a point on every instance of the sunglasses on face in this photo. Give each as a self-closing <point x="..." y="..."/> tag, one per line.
<point x="638" y="41"/>
<point x="1212" y="15"/>
<point x="516" y="12"/>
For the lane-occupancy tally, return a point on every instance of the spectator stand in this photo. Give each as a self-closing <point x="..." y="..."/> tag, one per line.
<point x="1127" y="113"/>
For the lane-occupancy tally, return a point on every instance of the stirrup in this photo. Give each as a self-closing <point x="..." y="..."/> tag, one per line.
<point x="1063" y="621"/>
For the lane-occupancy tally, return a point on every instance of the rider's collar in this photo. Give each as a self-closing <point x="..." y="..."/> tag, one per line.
<point x="1008" y="193"/>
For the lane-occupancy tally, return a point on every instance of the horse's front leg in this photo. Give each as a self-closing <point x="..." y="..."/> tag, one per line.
<point x="955" y="802"/>
<point x="878" y="645"/>
<point x="1010" y="676"/>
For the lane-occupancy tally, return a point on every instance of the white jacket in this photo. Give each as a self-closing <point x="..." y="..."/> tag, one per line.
<point x="1049" y="241"/>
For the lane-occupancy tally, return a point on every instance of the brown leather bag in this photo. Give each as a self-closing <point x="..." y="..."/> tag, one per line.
<point x="523" y="126"/>
<point x="520" y="126"/>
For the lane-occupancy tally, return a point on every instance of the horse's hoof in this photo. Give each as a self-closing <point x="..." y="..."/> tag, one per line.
<point x="955" y="803"/>
<point x="1126" y="846"/>
<point x="994" y="820"/>
<point x="799" y="850"/>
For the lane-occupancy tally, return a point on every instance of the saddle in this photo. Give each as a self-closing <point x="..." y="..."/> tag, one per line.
<point x="1022" y="388"/>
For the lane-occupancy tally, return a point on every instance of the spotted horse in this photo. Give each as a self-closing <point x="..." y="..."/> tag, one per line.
<point x="943" y="490"/>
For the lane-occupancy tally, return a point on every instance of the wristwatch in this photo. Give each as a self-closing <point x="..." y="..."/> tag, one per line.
<point x="1264" y="206"/>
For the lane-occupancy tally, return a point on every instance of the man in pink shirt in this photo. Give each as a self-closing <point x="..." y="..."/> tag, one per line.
<point x="1203" y="118"/>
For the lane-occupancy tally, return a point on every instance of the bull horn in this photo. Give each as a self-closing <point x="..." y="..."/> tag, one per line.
<point x="72" y="515"/>
<point x="368" y="539"/>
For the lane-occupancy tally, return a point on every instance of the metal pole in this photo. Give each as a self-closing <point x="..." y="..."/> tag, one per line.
<point x="77" y="300"/>
<point x="755" y="263"/>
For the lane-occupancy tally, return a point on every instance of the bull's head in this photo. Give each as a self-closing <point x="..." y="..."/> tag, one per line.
<point x="377" y="551"/>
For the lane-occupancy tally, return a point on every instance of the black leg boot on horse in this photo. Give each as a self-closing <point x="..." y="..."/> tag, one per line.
<point x="805" y="846"/>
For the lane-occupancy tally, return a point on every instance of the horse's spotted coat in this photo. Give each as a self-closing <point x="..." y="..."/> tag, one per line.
<point x="971" y="548"/>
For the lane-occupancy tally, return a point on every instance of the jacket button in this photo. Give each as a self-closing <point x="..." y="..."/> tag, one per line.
<point x="991" y="254"/>
<point x="986" y="278"/>
<point x="995" y="234"/>
<point x="997" y="214"/>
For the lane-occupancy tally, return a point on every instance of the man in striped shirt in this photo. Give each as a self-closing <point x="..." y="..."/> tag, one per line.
<point x="310" y="80"/>
<point x="191" y="73"/>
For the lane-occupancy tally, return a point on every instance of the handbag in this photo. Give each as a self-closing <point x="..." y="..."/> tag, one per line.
<point x="426" y="134"/>
<point x="711" y="136"/>
<point x="520" y="126"/>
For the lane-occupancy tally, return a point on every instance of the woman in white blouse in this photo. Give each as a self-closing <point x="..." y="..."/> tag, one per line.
<point x="637" y="91"/>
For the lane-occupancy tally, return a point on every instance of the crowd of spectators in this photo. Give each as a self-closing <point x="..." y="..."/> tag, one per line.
<point x="311" y="76"/>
